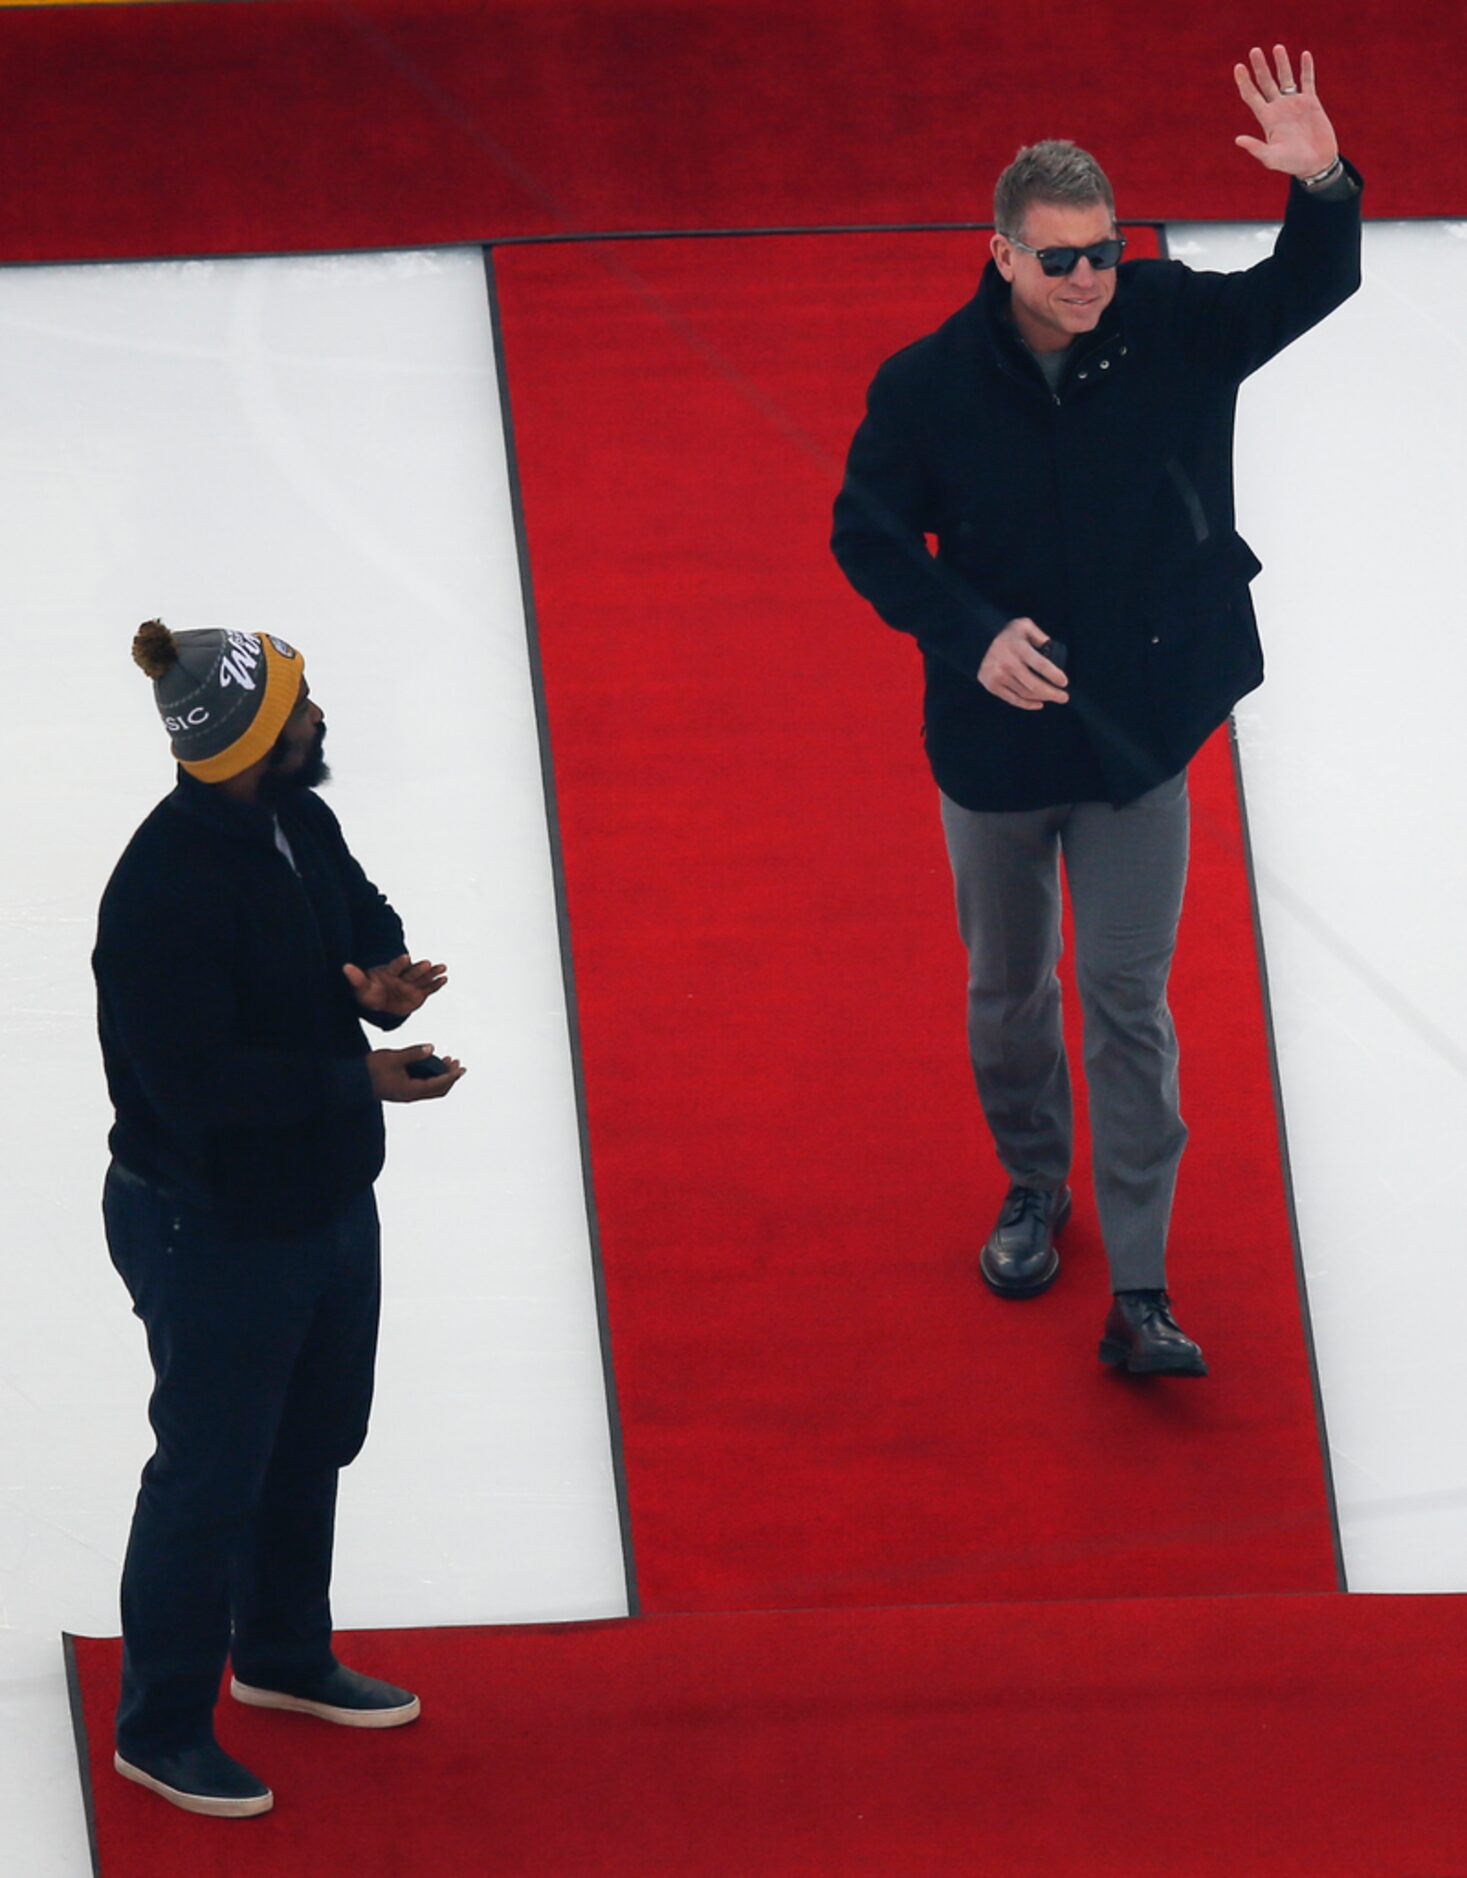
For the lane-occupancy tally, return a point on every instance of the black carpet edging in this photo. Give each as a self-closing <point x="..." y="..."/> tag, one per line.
<point x="562" y="921"/>
<point x="83" y="1753"/>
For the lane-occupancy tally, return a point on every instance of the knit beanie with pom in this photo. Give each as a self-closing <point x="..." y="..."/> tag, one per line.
<point x="223" y="696"/>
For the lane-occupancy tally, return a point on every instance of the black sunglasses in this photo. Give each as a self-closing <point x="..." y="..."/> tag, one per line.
<point x="1058" y="261"/>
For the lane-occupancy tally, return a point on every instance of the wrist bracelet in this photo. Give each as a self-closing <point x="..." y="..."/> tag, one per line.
<point x="1325" y="175"/>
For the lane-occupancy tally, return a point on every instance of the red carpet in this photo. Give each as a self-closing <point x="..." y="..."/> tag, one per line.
<point x="218" y="129"/>
<point x="1316" y="1736"/>
<point x="820" y="1403"/>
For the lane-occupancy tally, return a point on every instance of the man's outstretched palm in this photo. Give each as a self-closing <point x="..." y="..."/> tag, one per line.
<point x="1300" y="138"/>
<point x="398" y="988"/>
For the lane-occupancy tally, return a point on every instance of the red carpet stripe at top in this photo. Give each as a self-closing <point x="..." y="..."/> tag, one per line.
<point x="821" y="1405"/>
<point x="235" y="128"/>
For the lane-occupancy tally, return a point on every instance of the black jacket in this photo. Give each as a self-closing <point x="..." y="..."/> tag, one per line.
<point x="1103" y="511"/>
<point x="230" y="1036"/>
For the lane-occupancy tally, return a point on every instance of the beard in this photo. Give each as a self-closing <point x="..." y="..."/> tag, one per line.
<point x="277" y="783"/>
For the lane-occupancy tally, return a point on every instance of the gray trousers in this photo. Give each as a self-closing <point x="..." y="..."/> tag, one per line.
<point x="1126" y="869"/>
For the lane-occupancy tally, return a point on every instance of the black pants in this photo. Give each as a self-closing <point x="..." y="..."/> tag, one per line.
<point x="263" y="1350"/>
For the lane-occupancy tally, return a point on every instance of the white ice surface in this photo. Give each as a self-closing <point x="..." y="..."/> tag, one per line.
<point x="312" y="446"/>
<point x="1351" y="487"/>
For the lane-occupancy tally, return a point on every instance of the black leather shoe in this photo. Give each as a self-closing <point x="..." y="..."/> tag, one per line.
<point x="200" y="1780"/>
<point x="341" y="1695"/>
<point x="1020" y="1259"/>
<point x="1142" y="1336"/>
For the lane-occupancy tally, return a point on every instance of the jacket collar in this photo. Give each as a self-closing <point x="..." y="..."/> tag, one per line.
<point x="992" y="308"/>
<point x="207" y="803"/>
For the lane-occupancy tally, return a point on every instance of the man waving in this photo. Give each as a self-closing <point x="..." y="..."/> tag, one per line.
<point x="1085" y="623"/>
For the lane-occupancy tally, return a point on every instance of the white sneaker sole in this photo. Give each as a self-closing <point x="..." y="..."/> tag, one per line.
<point x="325" y="1711"/>
<point x="194" y="1802"/>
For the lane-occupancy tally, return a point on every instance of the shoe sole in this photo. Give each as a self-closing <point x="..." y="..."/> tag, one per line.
<point x="195" y="1802"/>
<point x="1036" y="1286"/>
<point x="326" y="1711"/>
<point x="1117" y="1357"/>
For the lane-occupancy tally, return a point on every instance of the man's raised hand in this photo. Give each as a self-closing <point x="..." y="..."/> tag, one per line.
<point x="1016" y="671"/>
<point x="1299" y="137"/>
<point x="398" y="988"/>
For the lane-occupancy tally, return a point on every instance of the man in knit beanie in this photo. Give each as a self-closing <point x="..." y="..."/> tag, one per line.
<point x="239" y="944"/>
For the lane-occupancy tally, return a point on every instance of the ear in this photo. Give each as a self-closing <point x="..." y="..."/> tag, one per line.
<point x="1002" y="254"/>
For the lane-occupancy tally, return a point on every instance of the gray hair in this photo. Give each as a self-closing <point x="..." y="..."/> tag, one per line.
<point x="1057" y="171"/>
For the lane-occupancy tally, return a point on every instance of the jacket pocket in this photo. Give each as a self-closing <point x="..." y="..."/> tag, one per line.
<point x="1204" y="579"/>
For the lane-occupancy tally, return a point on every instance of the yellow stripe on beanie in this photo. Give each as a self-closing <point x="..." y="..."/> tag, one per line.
<point x="283" y="675"/>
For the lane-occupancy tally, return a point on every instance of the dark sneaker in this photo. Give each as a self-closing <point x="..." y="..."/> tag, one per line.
<point x="200" y="1780"/>
<point x="339" y="1696"/>
<point x="1143" y="1337"/>
<point x="1020" y="1259"/>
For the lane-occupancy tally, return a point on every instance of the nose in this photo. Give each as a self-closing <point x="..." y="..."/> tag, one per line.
<point x="1083" y="274"/>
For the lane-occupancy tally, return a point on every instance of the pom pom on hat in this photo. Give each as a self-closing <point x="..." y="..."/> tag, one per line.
<point x="153" y="648"/>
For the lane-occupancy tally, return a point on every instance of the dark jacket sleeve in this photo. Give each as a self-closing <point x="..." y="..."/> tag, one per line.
<point x="162" y="964"/>
<point x="882" y="515"/>
<point x="1233" y="323"/>
<point x="377" y="933"/>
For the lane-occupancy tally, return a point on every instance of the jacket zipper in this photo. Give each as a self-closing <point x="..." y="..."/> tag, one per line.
<point x="1059" y="498"/>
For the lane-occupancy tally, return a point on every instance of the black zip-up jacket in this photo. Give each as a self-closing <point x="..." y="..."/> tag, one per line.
<point x="1102" y="510"/>
<point x="230" y="1036"/>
